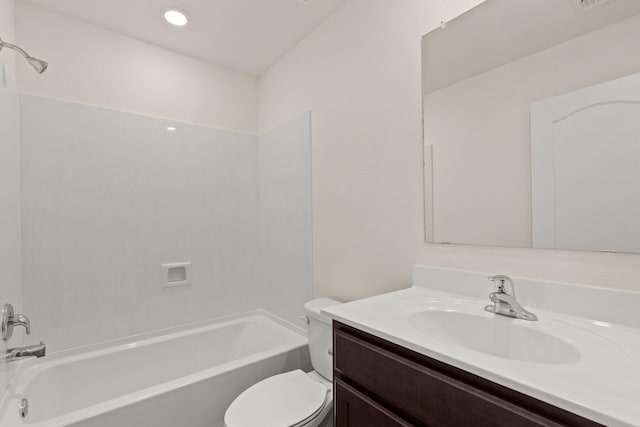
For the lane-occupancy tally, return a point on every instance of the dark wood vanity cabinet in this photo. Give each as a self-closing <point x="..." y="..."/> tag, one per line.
<point x="380" y="384"/>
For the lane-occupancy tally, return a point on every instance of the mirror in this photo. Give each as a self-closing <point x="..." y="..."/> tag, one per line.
<point x="531" y="126"/>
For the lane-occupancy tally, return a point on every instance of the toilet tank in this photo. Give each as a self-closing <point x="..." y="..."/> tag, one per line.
<point x="320" y="334"/>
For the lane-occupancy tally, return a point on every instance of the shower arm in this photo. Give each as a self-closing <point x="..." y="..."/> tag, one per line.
<point x="18" y="49"/>
<point x="39" y="65"/>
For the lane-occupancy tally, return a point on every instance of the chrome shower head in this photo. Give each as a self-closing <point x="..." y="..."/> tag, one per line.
<point x="39" y="65"/>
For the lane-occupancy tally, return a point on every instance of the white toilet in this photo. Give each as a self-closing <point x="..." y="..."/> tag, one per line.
<point x="296" y="398"/>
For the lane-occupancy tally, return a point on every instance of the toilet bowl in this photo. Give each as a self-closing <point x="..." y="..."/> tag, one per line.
<point x="295" y="398"/>
<point x="292" y="399"/>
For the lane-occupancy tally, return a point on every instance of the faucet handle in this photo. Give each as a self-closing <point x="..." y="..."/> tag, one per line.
<point x="22" y="320"/>
<point x="9" y="319"/>
<point x="504" y="284"/>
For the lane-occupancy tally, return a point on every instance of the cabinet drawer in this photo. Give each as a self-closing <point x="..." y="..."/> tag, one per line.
<point x="354" y="409"/>
<point x="422" y="394"/>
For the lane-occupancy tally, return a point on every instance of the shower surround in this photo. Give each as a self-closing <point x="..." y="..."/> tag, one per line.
<point x="109" y="196"/>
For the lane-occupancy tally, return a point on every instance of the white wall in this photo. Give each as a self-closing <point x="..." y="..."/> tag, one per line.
<point x="89" y="274"/>
<point x="108" y="197"/>
<point x="10" y="264"/>
<point x="90" y="65"/>
<point x="360" y="74"/>
<point x="286" y="224"/>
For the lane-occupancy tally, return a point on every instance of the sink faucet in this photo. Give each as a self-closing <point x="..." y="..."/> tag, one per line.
<point x="38" y="350"/>
<point x="504" y="300"/>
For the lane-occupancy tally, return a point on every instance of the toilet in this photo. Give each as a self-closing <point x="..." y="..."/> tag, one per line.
<point x="295" y="398"/>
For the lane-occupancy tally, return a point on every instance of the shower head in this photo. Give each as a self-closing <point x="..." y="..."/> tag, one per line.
<point x="39" y="65"/>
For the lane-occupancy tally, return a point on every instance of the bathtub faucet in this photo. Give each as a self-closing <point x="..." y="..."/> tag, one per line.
<point x="9" y="319"/>
<point x="38" y="350"/>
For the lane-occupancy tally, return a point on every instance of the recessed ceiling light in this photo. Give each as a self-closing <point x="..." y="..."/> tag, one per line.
<point x="175" y="17"/>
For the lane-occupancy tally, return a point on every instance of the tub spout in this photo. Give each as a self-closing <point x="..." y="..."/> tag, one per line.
<point x="38" y="350"/>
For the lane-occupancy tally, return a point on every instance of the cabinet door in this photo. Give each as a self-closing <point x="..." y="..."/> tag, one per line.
<point x="354" y="409"/>
<point x="431" y="397"/>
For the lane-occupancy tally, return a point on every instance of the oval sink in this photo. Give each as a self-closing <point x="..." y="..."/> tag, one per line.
<point x="498" y="336"/>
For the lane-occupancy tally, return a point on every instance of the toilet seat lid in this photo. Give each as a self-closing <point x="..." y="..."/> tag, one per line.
<point x="282" y="400"/>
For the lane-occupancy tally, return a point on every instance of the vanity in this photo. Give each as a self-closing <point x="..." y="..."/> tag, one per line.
<point x="431" y="355"/>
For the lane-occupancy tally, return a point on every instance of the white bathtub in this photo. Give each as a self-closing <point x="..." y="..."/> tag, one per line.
<point x="181" y="377"/>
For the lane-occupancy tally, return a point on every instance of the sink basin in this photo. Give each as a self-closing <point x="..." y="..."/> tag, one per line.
<point x="495" y="335"/>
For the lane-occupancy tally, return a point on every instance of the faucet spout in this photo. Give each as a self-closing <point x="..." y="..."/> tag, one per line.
<point x="505" y="302"/>
<point x="38" y="350"/>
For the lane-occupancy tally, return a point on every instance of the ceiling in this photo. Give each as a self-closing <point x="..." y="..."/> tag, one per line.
<point x="244" y="35"/>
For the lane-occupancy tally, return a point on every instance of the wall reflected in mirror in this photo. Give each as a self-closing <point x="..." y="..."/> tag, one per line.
<point x="532" y="129"/>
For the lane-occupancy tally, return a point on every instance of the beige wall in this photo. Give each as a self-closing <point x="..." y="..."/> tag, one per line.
<point x="359" y="73"/>
<point x="91" y="65"/>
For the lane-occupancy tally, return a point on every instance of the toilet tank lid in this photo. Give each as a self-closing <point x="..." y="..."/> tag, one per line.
<point x="313" y="307"/>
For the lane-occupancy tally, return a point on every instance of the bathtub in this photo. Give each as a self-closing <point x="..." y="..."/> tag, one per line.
<point x="181" y="377"/>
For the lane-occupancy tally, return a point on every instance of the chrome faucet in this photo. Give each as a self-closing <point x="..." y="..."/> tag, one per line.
<point x="10" y="320"/>
<point x="38" y="350"/>
<point x="504" y="300"/>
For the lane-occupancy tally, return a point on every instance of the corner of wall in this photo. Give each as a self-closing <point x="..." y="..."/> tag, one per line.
<point x="285" y="216"/>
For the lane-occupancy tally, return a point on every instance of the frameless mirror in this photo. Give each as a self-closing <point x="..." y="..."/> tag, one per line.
<point x="532" y="126"/>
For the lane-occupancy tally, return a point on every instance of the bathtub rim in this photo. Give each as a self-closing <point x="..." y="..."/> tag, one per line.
<point x="144" y="336"/>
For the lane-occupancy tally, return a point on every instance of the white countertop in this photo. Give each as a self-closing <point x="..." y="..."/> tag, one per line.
<point x="602" y="384"/>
